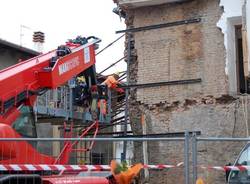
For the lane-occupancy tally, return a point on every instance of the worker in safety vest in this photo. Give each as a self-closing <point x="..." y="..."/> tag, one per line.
<point x="113" y="83"/>
<point x="102" y="102"/>
<point x="94" y="103"/>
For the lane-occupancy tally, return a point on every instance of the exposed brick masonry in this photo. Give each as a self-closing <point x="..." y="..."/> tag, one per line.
<point x="179" y="53"/>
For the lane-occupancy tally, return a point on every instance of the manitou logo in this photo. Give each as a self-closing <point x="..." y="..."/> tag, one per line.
<point x="69" y="65"/>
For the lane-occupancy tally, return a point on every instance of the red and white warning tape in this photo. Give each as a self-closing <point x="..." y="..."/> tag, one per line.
<point x="227" y="168"/>
<point x="43" y="167"/>
<point x="159" y="166"/>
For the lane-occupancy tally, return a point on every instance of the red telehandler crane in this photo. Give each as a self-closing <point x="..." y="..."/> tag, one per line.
<point x="20" y="85"/>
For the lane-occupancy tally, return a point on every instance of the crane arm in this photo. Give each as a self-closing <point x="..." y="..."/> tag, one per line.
<point x="21" y="83"/>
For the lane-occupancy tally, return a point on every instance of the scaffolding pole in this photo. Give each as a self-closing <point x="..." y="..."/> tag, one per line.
<point x="124" y="155"/>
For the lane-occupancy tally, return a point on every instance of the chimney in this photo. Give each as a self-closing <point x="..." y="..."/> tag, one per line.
<point x="38" y="39"/>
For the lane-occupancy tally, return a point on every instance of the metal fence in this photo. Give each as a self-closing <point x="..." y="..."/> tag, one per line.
<point x="220" y="159"/>
<point x="90" y="160"/>
<point x="193" y="163"/>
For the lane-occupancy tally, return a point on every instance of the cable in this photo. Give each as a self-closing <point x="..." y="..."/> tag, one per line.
<point x="111" y="65"/>
<point x="110" y="44"/>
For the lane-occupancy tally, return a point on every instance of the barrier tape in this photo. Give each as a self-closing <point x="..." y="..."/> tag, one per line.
<point x="45" y="167"/>
<point x="159" y="166"/>
<point x="227" y="168"/>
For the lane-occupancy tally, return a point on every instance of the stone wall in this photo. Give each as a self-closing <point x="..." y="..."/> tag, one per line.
<point x="214" y="118"/>
<point x="180" y="53"/>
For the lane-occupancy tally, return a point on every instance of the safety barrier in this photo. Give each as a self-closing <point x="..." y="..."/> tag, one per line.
<point x="227" y="168"/>
<point x="218" y="160"/>
<point x="55" y="167"/>
<point x="191" y="167"/>
<point x="80" y="164"/>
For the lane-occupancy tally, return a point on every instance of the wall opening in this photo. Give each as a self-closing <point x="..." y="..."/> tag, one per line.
<point x="241" y="81"/>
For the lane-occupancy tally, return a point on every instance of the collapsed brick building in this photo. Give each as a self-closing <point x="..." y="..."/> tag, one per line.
<point x="200" y="48"/>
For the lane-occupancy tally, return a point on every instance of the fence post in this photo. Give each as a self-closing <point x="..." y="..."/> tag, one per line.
<point x="194" y="156"/>
<point x="145" y="148"/>
<point x="186" y="157"/>
<point x="126" y="114"/>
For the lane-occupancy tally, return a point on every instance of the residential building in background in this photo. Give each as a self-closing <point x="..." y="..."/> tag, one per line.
<point x="11" y="53"/>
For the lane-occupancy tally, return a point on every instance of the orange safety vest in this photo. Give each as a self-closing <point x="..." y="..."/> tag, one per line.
<point x="125" y="177"/>
<point x="111" y="82"/>
<point x="103" y="106"/>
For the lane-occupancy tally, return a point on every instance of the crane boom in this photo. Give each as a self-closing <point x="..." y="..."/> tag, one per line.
<point x="21" y="83"/>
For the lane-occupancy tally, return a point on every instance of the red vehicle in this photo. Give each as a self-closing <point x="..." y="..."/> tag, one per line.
<point x="20" y="85"/>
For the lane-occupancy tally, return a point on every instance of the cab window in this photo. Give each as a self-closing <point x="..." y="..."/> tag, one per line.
<point x="25" y="124"/>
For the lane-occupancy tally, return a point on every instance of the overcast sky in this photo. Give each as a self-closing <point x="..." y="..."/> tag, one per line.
<point x="61" y="20"/>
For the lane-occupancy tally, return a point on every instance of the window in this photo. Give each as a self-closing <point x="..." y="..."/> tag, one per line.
<point x="25" y="124"/>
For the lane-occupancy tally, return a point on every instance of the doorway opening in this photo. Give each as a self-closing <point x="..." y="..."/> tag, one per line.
<point x="241" y="80"/>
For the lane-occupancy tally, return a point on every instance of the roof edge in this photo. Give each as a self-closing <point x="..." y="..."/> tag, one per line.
<point x="19" y="47"/>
